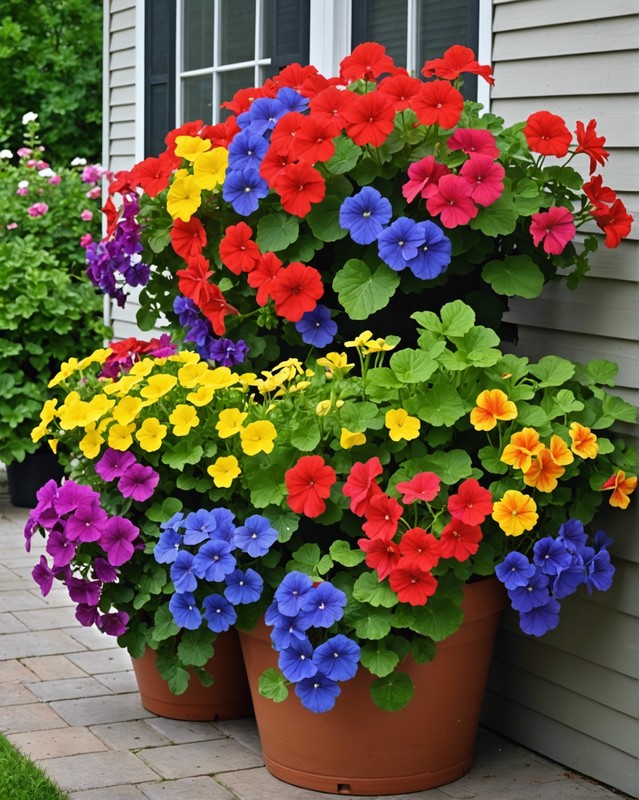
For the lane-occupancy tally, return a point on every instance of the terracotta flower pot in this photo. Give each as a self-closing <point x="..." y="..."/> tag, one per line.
<point x="228" y="698"/>
<point x="358" y="749"/>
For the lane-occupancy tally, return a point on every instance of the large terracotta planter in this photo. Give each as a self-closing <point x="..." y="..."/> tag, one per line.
<point x="358" y="749"/>
<point x="228" y="698"/>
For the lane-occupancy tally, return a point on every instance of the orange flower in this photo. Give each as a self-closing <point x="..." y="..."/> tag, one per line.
<point x="621" y="488"/>
<point x="523" y="446"/>
<point x="584" y="442"/>
<point x="515" y="513"/>
<point x="559" y="451"/>
<point x="492" y="404"/>
<point x="543" y="472"/>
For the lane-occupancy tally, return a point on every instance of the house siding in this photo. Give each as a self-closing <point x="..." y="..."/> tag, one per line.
<point x="574" y="695"/>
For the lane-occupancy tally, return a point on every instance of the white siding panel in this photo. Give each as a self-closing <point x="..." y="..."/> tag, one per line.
<point x="123" y="20"/>
<point x="122" y="95"/>
<point x="530" y="14"/>
<point x="121" y="59"/>
<point x="123" y="77"/>
<point x="123" y="113"/>
<point x="123" y="40"/>
<point x="123" y="130"/>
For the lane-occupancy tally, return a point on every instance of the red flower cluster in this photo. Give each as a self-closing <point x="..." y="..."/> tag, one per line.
<point x="608" y="211"/>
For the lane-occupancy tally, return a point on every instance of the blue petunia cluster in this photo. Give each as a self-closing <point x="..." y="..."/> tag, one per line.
<point x="224" y="352"/>
<point x="559" y="565"/>
<point x="201" y="547"/>
<point x="298" y="607"/>
<point x="421" y="246"/>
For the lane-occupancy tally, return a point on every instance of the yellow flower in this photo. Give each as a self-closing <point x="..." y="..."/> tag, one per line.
<point x="122" y="386"/>
<point x="157" y="386"/>
<point x="190" y="375"/>
<point x="209" y="168"/>
<point x="584" y="442"/>
<point x="39" y="431"/>
<point x="97" y="357"/>
<point x="127" y="410"/>
<point x="120" y="437"/>
<point x="183" y="418"/>
<point x="91" y="443"/>
<point x="66" y="368"/>
<point x="190" y="147"/>
<point x="53" y="444"/>
<point x="185" y="357"/>
<point x="150" y="434"/>
<point x="359" y="341"/>
<point x="224" y="471"/>
<point x="523" y="446"/>
<point x="219" y="378"/>
<point x="543" y="472"/>
<point x="184" y="196"/>
<point x="323" y="407"/>
<point x="291" y="363"/>
<point x="515" y="513"/>
<point x="142" y="368"/>
<point x="202" y="397"/>
<point x="379" y="346"/>
<point x="491" y="405"/>
<point x="230" y="422"/>
<point x="334" y="361"/>
<point x="258" y="437"/>
<point x="559" y="451"/>
<point x="349" y="439"/>
<point x="400" y="425"/>
<point x="74" y="414"/>
<point x="98" y="407"/>
<point x="48" y="411"/>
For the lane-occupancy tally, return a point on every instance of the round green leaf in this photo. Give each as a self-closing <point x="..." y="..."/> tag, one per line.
<point x="392" y="692"/>
<point x="323" y="220"/>
<point x="362" y="292"/>
<point x="276" y="232"/>
<point x="515" y="275"/>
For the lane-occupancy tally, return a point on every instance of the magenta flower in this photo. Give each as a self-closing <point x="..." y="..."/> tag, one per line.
<point x="104" y="571"/>
<point x="114" y="623"/>
<point x="474" y="141"/>
<point x="114" y="464"/>
<point x="117" y="540"/>
<point x="72" y="496"/>
<point x="92" y="173"/>
<point x="60" y="549"/>
<point x="44" y="514"/>
<point x="43" y="576"/>
<point x="554" y="227"/>
<point x="87" y="524"/>
<point x="424" y="176"/>
<point x="452" y="201"/>
<point x="87" y="615"/>
<point x="486" y="177"/>
<point x="37" y="210"/>
<point x="138" y="482"/>
<point x="84" y="591"/>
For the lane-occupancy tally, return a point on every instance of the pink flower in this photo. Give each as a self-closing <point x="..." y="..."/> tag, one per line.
<point x="24" y="152"/>
<point x="94" y="193"/>
<point x="37" y="210"/>
<point x="86" y="215"/>
<point x="424" y="176"/>
<point x="486" y="177"/>
<point x="11" y="226"/>
<point x="55" y="179"/>
<point x="474" y="141"/>
<point x="85" y="241"/>
<point x="92" y="173"/>
<point x="40" y="165"/>
<point x="452" y="201"/>
<point x="554" y="227"/>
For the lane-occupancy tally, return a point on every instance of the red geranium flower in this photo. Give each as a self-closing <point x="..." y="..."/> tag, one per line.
<point x="285" y="131"/>
<point x="315" y="84"/>
<point x="382" y="555"/>
<point x="122" y="183"/>
<point x="237" y="250"/>
<point x="472" y="503"/>
<point x="474" y="141"/>
<point x="278" y="156"/>
<point x="424" y="486"/>
<point x="299" y="185"/>
<point x="401" y="88"/>
<point x="367" y="61"/>
<point x="411" y="584"/>
<point x="438" y="102"/>
<point x="222" y="134"/>
<point x="420" y="548"/>
<point x="460" y="541"/>
<point x="554" y="227"/>
<point x="328" y="106"/>
<point x="296" y="290"/>
<point x="188" y="238"/>
<point x="153" y="174"/>
<point x="309" y="484"/>
<point x="111" y="213"/>
<point x="457" y="59"/>
<point x="486" y="178"/>
<point x="261" y="278"/>
<point x="382" y="515"/>
<point x="193" y="281"/>
<point x="360" y="485"/>
<point x="215" y="308"/>
<point x="547" y="134"/>
<point x="313" y="141"/>
<point x="424" y="176"/>
<point x="370" y="118"/>
<point x="294" y="75"/>
<point x="615" y="221"/>
<point x="598" y="194"/>
<point x="243" y="98"/>
<point x="588" y="142"/>
<point x="452" y="201"/>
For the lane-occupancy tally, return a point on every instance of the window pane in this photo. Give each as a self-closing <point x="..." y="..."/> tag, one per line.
<point x="230" y="82"/>
<point x="388" y="26"/>
<point x="197" y="98"/>
<point x="197" y="36"/>
<point x="267" y="29"/>
<point x="237" y="23"/>
<point x="443" y="23"/>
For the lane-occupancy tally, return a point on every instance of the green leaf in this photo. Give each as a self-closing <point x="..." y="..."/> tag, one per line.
<point x="306" y="438"/>
<point x="440" y="405"/>
<point x="438" y="619"/>
<point x="178" y="455"/>
<point x="531" y="416"/>
<point x="163" y="625"/>
<point x="179" y="681"/>
<point x="164" y="512"/>
<point x="341" y="552"/>
<point x="362" y="292"/>
<point x="267" y="486"/>
<point x="423" y="650"/>
<point x="392" y="692"/>
<point x="384" y="377"/>
<point x="515" y="275"/>
<point x="601" y="372"/>
<point x="196" y="647"/>
<point x="345" y="157"/>
<point x="323" y="220"/>
<point x="276" y="232"/>
<point x="377" y="660"/>
<point x="491" y="462"/>
<point x="272" y="685"/>
<point x="497" y="219"/>
<point x="306" y="559"/>
<point x="619" y="409"/>
<point x="159" y="239"/>
<point x="284" y="522"/>
<point x="560" y="403"/>
<point x="369" y="589"/>
<point x="552" y="371"/>
<point x="361" y="416"/>
<point x="412" y="366"/>
<point x="371" y="624"/>
<point x="457" y="319"/>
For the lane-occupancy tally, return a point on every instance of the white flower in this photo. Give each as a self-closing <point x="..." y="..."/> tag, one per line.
<point x="30" y="116"/>
<point x="47" y="172"/>
<point x="6" y="154"/>
<point x="78" y="162"/>
<point x="23" y="184"/>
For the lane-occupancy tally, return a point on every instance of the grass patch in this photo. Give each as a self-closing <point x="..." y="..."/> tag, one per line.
<point x="20" y="779"/>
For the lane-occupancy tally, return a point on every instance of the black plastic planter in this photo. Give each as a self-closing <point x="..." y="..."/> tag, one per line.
<point x="26" y="477"/>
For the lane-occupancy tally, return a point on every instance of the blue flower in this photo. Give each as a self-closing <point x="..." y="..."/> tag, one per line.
<point x="398" y="243"/>
<point x="214" y="560"/>
<point x="573" y="534"/>
<point x="186" y="310"/>
<point x="296" y="661"/>
<point x="224" y="524"/>
<point x="283" y="635"/>
<point x="292" y="100"/>
<point x="185" y="613"/>
<point x="551" y="556"/>
<point x="263" y="115"/>
<point x="167" y="547"/>
<point x="173" y="524"/>
<point x="244" y="189"/>
<point x="226" y="352"/>
<point x="256" y="536"/>
<point x="218" y="613"/>
<point x="323" y="605"/>
<point x="515" y="570"/>
<point x="601" y="541"/>
<point x="600" y="572"/>
<point x="198" y="526"/>
<point x="199" y="333"/>
<point x="337" y="658"/>
<point x="291" y="592"/>
<point x="317" y="693"/>
<point x="182" y="573"/>
<point x="273" y="616"/>
<point x="364" y="215"/>
<point x="246" y="151"/>
<point x="434" y="255"/>
<point x="569" y="578"/>
<point x="316" y="327"/>
<point x="243" y="587"/>
<point x="540" y="619"/>
<point x="532" y="594"/>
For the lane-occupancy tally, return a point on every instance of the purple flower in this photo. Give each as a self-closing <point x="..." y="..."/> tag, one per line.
<point x="433" y="256"/>
<point x="198" y="526"/>
<point x="138" y="482"/>
<point x="540" y="619"/>
<point x="337" y="658"/>
<point x="218" y="613"/>
<point x="114" y="464"/>
<point x="185" y="612"/>
<point x="551" y="556"/>
<point x="364" y="215"/>
<point x="44" y="514"/>
<point x="515" y="570"/>
<point x="117" y="540"/>
<point x="214" y="560"/>
<point x="29" y="530"/>
<point x="87" y="524"/>
<point x="323" y="605"/>
<point x="316" y="327"/>
<point x="43" y="576"/>
<point x="72" y="496"/>
<point x="84" y="591"/>
<point x="137" y="273"/>
<point x="114" y="623"/>
<point x="243" y="587"/>
<point x="227" y="352"/>
<point x="600" y="572"/>
<point x="183" y="572"/>
<point x="318" y="693"/>
<point x="104" y="571"/>
<point x="60" y="549"/>
<point x="291" y="592"/>
<point x="256" y="536"/>
<point x="398" y="243"/>
<point x="87" y="615"/>
<point x="244" y="189"/>
<point x="246" y="151"/>
<point x="167" y="547"/>
<point x="296" y="661"/>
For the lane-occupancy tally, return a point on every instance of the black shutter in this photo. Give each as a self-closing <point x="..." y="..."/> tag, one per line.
<point x="159" y="74"/>
<point x="290" y="26"/>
